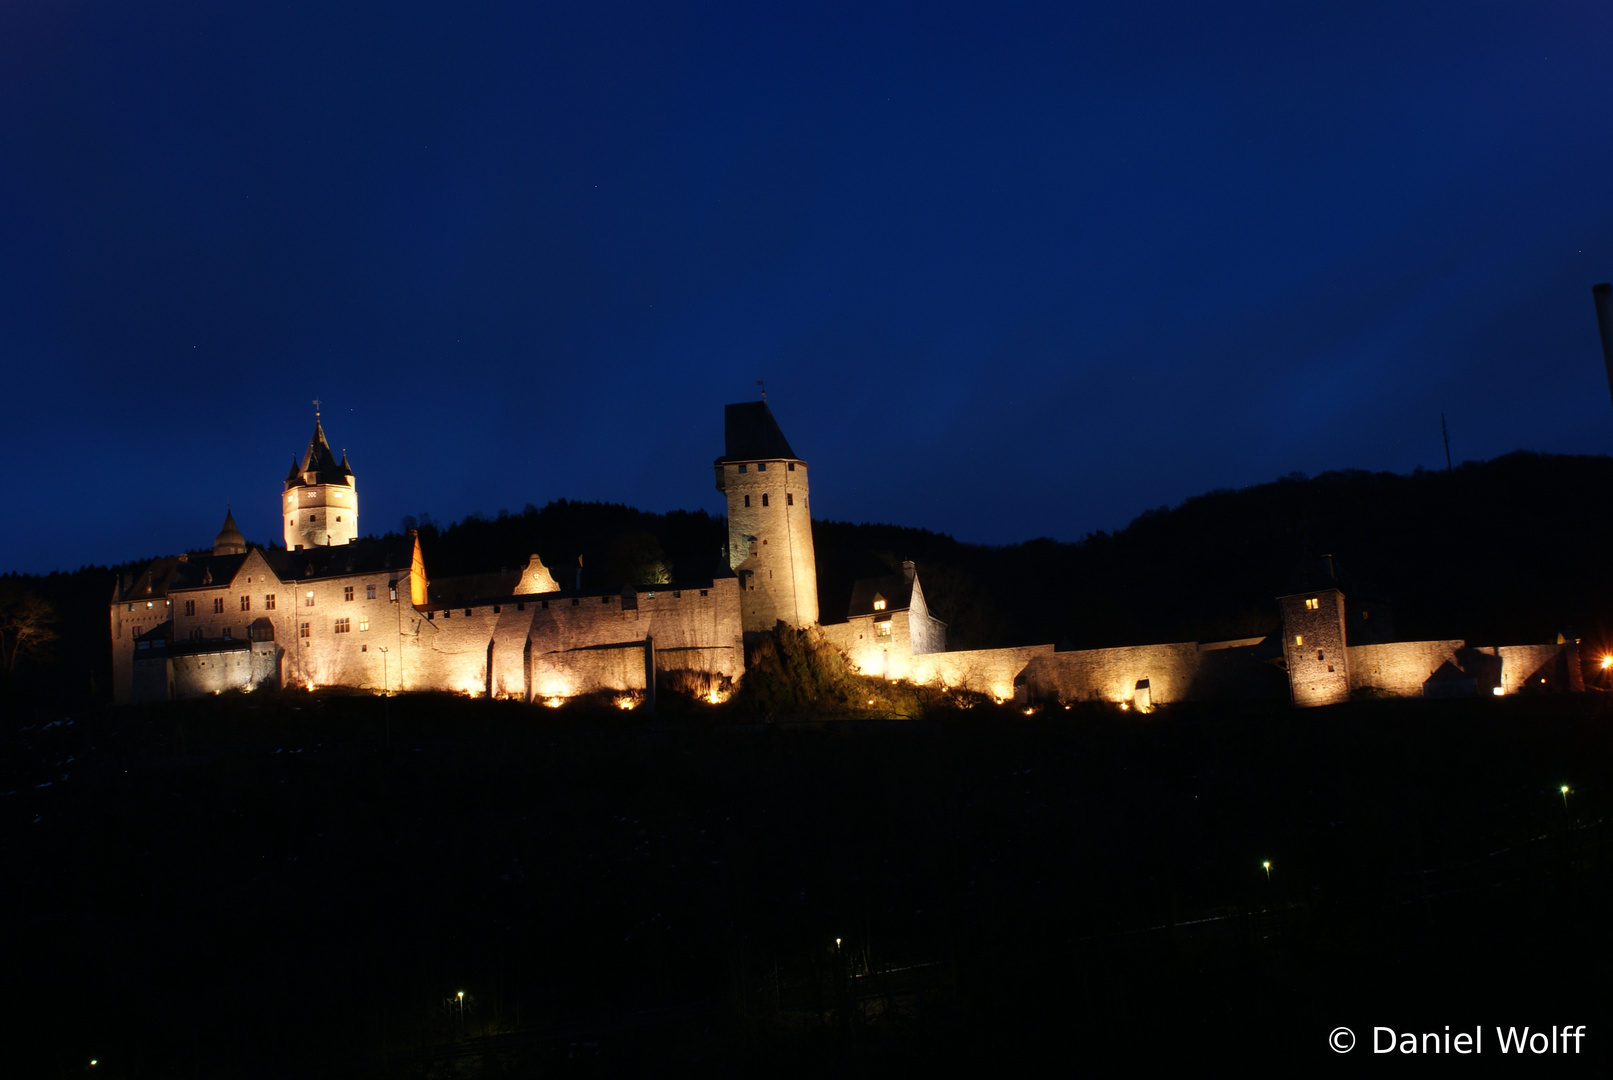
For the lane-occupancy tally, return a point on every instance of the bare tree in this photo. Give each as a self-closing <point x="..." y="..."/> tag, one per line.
<point x="26" y="623"/>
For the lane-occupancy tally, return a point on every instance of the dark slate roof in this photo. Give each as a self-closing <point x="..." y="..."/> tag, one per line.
<point x="751" y="434"/>
<point x="161" y="632"/>
<point x="359" y="557"/>
<point x="320" y="462"/>
<point x="457" y="590"/>
<point x="206" y="572"/>
<point x="896" y="590"/>
<point x="158" y="574"/>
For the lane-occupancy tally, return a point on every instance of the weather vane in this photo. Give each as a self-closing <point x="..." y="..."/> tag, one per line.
<point x="316" y="408"/>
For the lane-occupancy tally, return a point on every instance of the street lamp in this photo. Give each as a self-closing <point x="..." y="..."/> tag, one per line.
<point x="1267" y="866"/>
<point x="386" y="698"/>
<point x="1564" y="790"/>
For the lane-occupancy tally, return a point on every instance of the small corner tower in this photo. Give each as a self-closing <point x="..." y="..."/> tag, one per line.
<point x="769" y="520"/>
<point x="229" y="540"/>
<point x="320" y="503"/>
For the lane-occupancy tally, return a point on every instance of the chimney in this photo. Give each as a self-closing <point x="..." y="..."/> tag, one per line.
<point x="908" y="569"/>
<point x="1602" y="295"/>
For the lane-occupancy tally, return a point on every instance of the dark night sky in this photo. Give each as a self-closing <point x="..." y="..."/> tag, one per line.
<point x="1005" y="274"/>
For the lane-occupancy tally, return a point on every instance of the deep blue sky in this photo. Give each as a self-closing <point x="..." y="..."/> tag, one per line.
<point x="1005" y="273"/>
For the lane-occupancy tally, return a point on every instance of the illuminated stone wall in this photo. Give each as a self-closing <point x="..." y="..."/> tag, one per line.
<point x="1531" y="668"/>
<point x="1402" y="667"/>
<point x="983" y="671"/>
<point x="217" y="672"/>
<point x="563" y="644"/>
<point x="1112" y="674"/>
<point x="770" y="542"/>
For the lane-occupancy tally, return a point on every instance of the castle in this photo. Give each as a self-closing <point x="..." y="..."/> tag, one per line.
<point x="331" y="609"/>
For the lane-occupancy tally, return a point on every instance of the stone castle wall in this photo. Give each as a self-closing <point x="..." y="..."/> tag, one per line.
<point x="1113" y="674"/>
<point x="1402" y="667"/>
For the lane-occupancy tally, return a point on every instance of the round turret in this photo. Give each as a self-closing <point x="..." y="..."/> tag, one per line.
<point x="319" y="505"/>
<point x="229" y="540"/>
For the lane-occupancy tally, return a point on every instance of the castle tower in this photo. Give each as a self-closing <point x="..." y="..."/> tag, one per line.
<point x="320" y="503"/>
<point x="769" y="521"/>
<point x="1314" y="638"/>
<point x="229" y="540"/>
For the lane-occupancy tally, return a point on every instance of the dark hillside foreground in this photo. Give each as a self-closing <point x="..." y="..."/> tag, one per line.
<point x="255" y="886"/>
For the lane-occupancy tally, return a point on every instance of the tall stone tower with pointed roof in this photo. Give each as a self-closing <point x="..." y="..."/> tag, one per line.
<point x="320" y="503"/>
<point x="769" y="520"/>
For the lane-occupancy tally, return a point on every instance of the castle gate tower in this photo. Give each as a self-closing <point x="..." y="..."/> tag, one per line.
<point x="769" y="521"/>
<point x="320" y="503"/>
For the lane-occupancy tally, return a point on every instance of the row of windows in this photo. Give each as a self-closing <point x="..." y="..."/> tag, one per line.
<point x="761" y="466"/>
<point x="343" y="626"/>
<point x="312" y="519"/>
<point x="677" y="594"/>
<point x="789" y="499"/>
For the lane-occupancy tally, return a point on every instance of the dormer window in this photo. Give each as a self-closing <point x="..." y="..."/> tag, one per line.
<point x="1312" y="603"/>
<point x="879" y="605"/>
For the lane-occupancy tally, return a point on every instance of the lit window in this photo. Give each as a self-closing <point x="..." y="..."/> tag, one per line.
<point x="883" y="629"/>
<point x="363" y="622"/>
<point x="1299" y="639"/>
<point x="879" y="605"/>
<point x="347" y="593"/>
<point x="1312" y="604"/>
<point x="308" y="601"/>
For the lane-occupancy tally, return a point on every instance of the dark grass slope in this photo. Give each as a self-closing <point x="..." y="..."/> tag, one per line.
<point x="255" y="886"/>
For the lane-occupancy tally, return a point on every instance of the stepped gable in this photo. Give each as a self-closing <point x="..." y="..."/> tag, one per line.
<point x="751" y="434"/>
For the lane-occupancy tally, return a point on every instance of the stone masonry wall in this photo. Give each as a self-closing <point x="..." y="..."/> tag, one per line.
<point x="1399" y="668"/>
<point x="1112" y="674"/>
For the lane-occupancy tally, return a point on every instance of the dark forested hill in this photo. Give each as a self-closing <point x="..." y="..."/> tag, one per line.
<point x="1512" y="550"/>
<point x="1509" y="550"/>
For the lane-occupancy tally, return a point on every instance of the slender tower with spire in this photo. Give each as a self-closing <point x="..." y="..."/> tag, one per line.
<point x="320" y="503"/>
